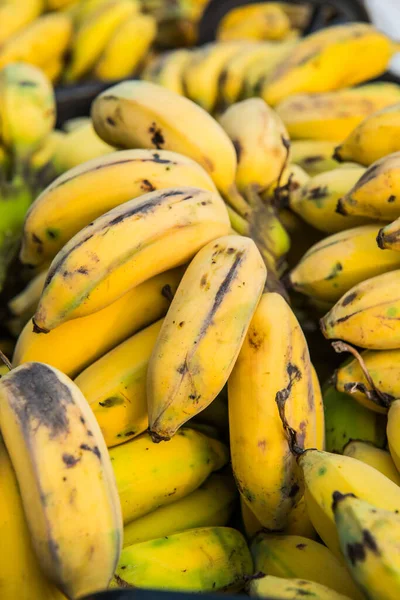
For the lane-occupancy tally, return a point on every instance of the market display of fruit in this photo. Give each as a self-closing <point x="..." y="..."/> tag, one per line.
<point x="181" y="272"/>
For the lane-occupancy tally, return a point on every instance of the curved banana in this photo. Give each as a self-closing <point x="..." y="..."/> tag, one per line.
<point x="262" y="21"/>
<point x="76" y="344"/>
<point x="203" y="331"/>
<point x="63" y="468"/>
<point x="167" y="69"/>
<point x="374" y="457"/>
<point x="314" y="156"/>
<point x="291" y="589"/>
<point x="24" y="304"/>
<point x="15" y="15"/>
<point x="182" y="466"/>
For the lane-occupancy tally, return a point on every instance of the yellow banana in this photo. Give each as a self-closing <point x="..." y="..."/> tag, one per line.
<point x="200" y="340"/>
<point x="210" y="504"/>
<point x="373" y="456"/>
<point x="15" y="15"/>
<point x="340" y="261"/>
<point x="89" y="190"/>
<point x="250" y="524"/>
<point x="299" y="523"/>
<point x="75" y="123"/>
<point x="296" y="557"/>
<point x="141" y="114"/>
<point x="265" y="470"/>
<point x="316" y="202"/>
<point x="330" y="59"/>
<point x="369" y="542"/>
<point x="76" y="344"/>
<point x="115" y="387"/>
<point x="151" y="475"/>
<point x="333" y="115"/>
<point x="85" y="10"/>
<point x="53" y="68"/>
<point x="167" y="69"/>
<point x="367" y="315"/>
<point x="43" y="157"/>
<point x="206" y="559"/>
<point x="314" y="156"/>
<point x="78" y="146"/>
<point x="264" y="21"/>
<point x="59" y="4"/>
<point x="63" y="468"/>
<point x="127" y="48"/>
<point x="24" y="304"/>
<point x="291" y="589"/>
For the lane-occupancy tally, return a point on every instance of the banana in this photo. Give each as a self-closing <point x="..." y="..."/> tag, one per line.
<point x="15" y="15"/>
<point x="87" y="191"/>
<point x="116" y="252"/>
<point x="340" y="261"/>
<point x="373" y="138"/>
<point x="206" y="559"/>
<point x="141" y="114"/>
<point x="87" y="9"/>
<point x="367" y="315"/>
<point x="210" y="504"/>
<point x="75" y="123"/>
<point x="392" y="429"/>
<point x="167" y="69"/>
<point x="115" y="387"/>
<point x="330" y="59"/>
<point x="127" y="48"/>
<point x="62" y="467"/>
<point x="347" y="420"/>
<point x="151" y="475"/>
<point x="299" y="523"/>
<point x="264" y="468"/>
<point x="333" y="115"/>
<point x="369" y="541"/>
<point x="201" y="335"/>
<point x="41" y="40"/>
<point x="24" y="304"/>
<point x="314" y="156"/>
<point x="373" y="456"/>
<point x="53" y="69"/>
<point x="316" y="202"/>
<point x="389" y="236"/>
<point x="59" y="4"/>
<point x="296" y="557"/>
<point x="250" y="524"/>
<point x="263" y="21"/>
<point x="79" y="146"/>
<point x="76" y="344"/>
<point x="27" y="109"/>
<point x="291" y="589"/>
<point x="43" y="157"/>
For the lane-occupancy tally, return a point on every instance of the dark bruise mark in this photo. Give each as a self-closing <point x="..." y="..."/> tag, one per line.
<point x="111" y="121"/>
<point x="294" y="375"/>
<point x="167" y="292"/>
<point x="93" y="449"/>
<point x="53" y="549"/>
<point x="230" y="250"/>
<point x="339" y="497"/>
<point x="51" y="233"/>
<point x="172" y="493"/>
<point x="110" y="402"/>
<point x="336" y="269"/>
<point x="294" y="490"/>
<point x="349" y="298"/>
<point x="310" y="160"/>
<point x="27" y="83"/>
<point x="391" y="199"/>
<point x="301" y="546"/>
<point x="162" y="161"/>
<point x="181" y="324"/>
<point x="157" y="137"/>
<point x="127" y="434"/>
<point x="183" y="368"/>
<point x="300" y="592"/>
<point x="238" y="147"/>
<point x="369" y="542"/>
<point x="203" y="280"/>
<point x="317" y="193"/>
<point x="36" y="239"/>
<point x="255" y="339"/>
<point x="83" y="270"/>
<point x="147" y="186"/>
<point x="69" y="460"/>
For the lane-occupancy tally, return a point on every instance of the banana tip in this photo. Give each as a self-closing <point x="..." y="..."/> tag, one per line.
<point x="322" y="325"/>
<point x="338" y="497"/>
<point x="336" y="154"/>
<point x="380" y="239"/>
<point x="37" y="329"/>
<point x="157" y="438"/>
<point x="340" y="207"/>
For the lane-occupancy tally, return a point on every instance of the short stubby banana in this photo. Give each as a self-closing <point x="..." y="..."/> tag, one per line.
<point x="330" y="59"/>
<point x="210" y="504"/>
<point x="369" y="542"/>
<point x="167" y="69"/>
<point x="368" y="314"/>
<point x="152" y="475"/>
<point x="76" y="344"/>
<point x="203" y="331"/>
<point x="278" y="588"/>
<point x="64" y="475"/>
<point x="126" y="246"/>
<point x="389" y="236"/>
<point x="265" y="470"/>
<point x="115" y="387"/>
<point x="253" y="22"/>
<point x="314" y="156"/>
<point x="340" y="261"/>
<point x="206" y="559"/>
<point x="89" y="190"/>
<point x="296" y="557"/>
<point x="374" y="457"/>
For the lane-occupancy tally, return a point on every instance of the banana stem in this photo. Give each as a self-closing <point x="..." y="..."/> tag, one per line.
<point x="5" y="360"/>
<point x="238" y="223"/>
<point x="236" y="201"/>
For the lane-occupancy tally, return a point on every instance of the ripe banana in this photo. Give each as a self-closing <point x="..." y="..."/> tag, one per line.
<point x="127" y="48"/>
<point x="167" y="69"/>
<point x="264" y="468"/>
<point x="15" y="15"/>
<point x="264" y="21"/>
<point x="316" y="202"/>
<point x="368" y="314"/>
<point x="62" y="467"/>
<point x="53" y="69"/>
<point x="291" y="589"/>
<point x="314" y="156"/>
<point x="369" y="541"/>
<point x="116" y="252"/>
<point x="24" y="304"/>
<point x="373" y="456"/>
<point x="296" y="557"/>
<point x="299" y="523"/>
<point x="210" y="504"/>
<point x="201" y="335"/>
<point x="333" y="115"/>
<point x="115" y="387"/>
<point x="75" y="345"/>
<point x="140" y="114"/>
<point x="340" y="261"/>
<point x="330" y="59"/>
<point x="375" y="137"/>
<point x="151" y="475"/>
<point x="89" y="190"/>
<point x="207" y="559"/>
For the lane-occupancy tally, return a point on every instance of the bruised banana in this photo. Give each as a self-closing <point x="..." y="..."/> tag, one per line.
<point x="116" y="252"/>
<point x="167" y="69"/>
<point x="369" y="542"/>
<point x="314" y="156"/>
<point x="368" y="314"/>
<point x="340" y="261"/>
<point x="115" y="387"/>
<point x="141" y="114"/>
<point x="206" y="559"/>
<point x="274" y="338"/>
<point x="374" y="457"/>
<point x="15" y="15"/>
<point x="254" y="22"/>
<point x="182" y="466"/>
<point x="89" y="190"/>
<point x="76" y="344"/>
<point x="210" y="504"/>
<point x="78" y="146"/>
<point x="267" y="586"/>
<point x="296" y="557"/>
<point x="203" y="331"/>
<point x="62" y="467"/>
<point x="330" y="59"/>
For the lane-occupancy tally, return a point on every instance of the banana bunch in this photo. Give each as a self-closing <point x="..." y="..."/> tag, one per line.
<point x="262" y="21"/>
<point x="373" y="456"/>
